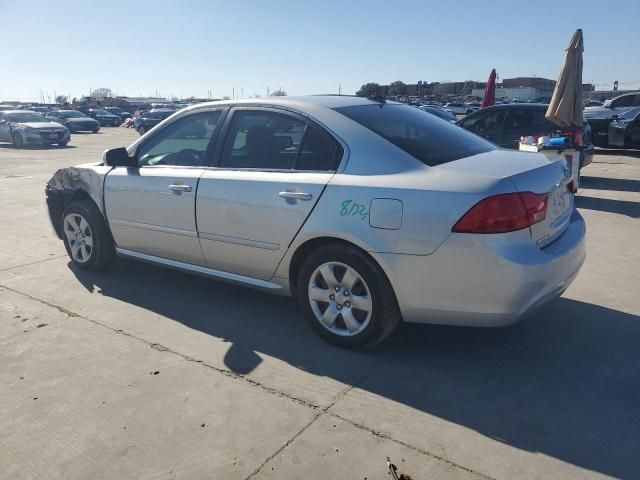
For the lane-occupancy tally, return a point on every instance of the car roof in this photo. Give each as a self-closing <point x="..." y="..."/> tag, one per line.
<point x="329" y="101"/>
<point x="20" y="111"/>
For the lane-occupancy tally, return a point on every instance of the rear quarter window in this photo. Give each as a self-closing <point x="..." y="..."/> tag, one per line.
<point x="420" y="134"/>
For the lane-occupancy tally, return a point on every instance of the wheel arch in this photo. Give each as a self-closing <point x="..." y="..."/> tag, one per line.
<point x="59" y="200"/>
<point x="308" y="246"/>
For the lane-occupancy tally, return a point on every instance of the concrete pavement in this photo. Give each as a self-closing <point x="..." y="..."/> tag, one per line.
<point x="553" y="397"/>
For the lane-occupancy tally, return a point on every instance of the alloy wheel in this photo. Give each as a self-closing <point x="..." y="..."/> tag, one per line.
<point x="79" y="237"/>
<point x="340" y="299"/>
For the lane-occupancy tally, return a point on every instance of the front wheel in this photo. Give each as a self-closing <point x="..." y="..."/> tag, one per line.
<point x="63" y="144"/>
<point x="141" y="130"/>
<point x="346" y="297"/>
<point x="86" y="237"/>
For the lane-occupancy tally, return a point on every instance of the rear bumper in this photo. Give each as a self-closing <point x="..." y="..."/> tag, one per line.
<point x="485" y="280"/>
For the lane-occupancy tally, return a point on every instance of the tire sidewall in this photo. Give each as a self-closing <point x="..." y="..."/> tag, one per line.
<point x="103" y="250"/>
<point x="383" y="318"/>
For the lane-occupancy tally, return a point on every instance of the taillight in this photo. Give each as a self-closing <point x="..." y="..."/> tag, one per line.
<point x="503" y="213"/>
<point x="575" y="134"/>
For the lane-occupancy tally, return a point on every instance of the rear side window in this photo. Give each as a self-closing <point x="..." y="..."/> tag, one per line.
<point x="319" y="151"/>
<point x="425" y="137"/>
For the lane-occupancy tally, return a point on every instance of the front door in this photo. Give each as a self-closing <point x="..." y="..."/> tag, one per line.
<point x="272" y="170"/>
<point x="151" y="209"/>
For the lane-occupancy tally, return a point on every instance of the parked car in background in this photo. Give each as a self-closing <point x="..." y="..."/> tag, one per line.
<point x="74" y="120"/>
<point x="39" y="109"/>
<point x="505" y="124"/>
<point x="592" y="103"/>
<point x="624" y="130"/>
<point x="459" y="108"/>
<point x="118" y="111"/>
<point x="439" y="112"/>
<point x="23" y="128"/>
<point x="147" y="120"/>
<point x="105" y="118"/>
<point x="600" y="117"/>
<point x="369" y="212"/>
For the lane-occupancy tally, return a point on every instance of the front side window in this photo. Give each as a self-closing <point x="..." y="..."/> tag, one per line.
<point x="630" y="114"/>
<point x="182" y="143"/>
<point x="428" y="139"/>
<point x="262" y="139"/>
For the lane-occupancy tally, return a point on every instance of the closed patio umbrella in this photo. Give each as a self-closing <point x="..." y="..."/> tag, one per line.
<point x="565" y="108"/>
<point x="489" y="97"/>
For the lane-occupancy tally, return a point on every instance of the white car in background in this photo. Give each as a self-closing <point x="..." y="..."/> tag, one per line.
<point x="459" y="108"/>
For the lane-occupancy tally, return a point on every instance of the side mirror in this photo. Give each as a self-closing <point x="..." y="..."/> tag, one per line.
<point x="118" y="157"/>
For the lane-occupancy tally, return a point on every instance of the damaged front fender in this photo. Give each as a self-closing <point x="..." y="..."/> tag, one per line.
<point x="83" y="181"/>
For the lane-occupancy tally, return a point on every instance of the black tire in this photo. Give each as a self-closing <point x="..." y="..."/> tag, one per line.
<point x="102" y="252"/>
<point x="96" y="130"/>
<point x="63" y="144"/>
<point x="141" y="130"/>
<point x="385" y="314"/>
<point x="18" y="141"/>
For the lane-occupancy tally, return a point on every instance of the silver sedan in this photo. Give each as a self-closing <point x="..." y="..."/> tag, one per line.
<point x="368" y="212"/>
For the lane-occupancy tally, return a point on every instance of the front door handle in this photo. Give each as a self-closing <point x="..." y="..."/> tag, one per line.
<point x="296" y="195"/>
<point x="180" y="187"/>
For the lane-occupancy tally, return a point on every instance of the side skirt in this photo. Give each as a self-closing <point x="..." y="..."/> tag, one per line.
<point x="271" y="287"/>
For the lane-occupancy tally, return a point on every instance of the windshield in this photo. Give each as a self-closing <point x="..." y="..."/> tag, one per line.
<point x="72" y="115"/>
<point x="26" y="117"/>
<point x="102" y="112"/>
<point x="113" y="109"/>
<point x="426" y="137"/>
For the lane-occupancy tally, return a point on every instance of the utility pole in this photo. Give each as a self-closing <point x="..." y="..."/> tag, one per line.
<point x="242" y="93"/>
<point x="267" y="91"/>
<point x="339" y="89"/>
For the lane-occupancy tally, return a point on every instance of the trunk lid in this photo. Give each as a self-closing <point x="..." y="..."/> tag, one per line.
<point x="528" y="172"/>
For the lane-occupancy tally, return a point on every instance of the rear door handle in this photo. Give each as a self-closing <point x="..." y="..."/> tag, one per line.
<point x="296" y="195"/>
<point x="180" y="187"/>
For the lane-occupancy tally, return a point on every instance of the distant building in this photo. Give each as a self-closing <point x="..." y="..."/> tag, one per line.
<point x="141" y="101"/>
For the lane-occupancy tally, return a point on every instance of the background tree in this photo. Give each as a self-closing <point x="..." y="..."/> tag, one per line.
<point x="397" y="88"/>
<point x="279" y="93"/>
<point x="101" y="93"/>
<point x="226" y="97"/>
<point x="62" y="99"/>
<point x="368" y="90"/>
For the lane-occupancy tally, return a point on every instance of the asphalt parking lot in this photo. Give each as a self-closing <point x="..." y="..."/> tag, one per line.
<point x="146" y="373"/>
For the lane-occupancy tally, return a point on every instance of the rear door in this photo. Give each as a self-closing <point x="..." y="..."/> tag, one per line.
<point x="272" y="168"/>
<point x="151" y="209"/>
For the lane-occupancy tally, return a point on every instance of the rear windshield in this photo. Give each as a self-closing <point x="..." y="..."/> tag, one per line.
<point x="418" y="133"/>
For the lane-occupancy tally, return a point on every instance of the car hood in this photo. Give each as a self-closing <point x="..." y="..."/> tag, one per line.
<point x="39" y="125"/>
<point x="82" y="120"/>
<point x="599" y="112"/>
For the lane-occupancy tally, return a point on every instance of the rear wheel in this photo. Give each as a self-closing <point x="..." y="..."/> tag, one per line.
<point x="95" y="130"/>
<point x="86" y="237"/>
<point x="346" y="298"/>
<point x="63" y="144"/>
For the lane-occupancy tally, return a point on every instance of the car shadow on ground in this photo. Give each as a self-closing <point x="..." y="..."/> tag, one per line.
<point x="623" y="207"/>
<point x="35" y="147"/>
<point x="615" y="184"/>
<point x="565" y="383"/>
<point x="617" y="152"/>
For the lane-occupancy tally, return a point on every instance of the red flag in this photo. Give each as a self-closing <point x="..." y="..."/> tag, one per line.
<point x="489" y="97"/>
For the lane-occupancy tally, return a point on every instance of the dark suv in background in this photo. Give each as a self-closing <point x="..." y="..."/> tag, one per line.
<point x="505" y="124"/>
<point x="147" y="120"/>
<point x="599" y="118"/>
<point x="118" y="111"/>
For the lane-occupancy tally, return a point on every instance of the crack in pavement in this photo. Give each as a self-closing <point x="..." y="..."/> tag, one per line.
<point x="230" y="374"/>
<point x="32" y="263"/>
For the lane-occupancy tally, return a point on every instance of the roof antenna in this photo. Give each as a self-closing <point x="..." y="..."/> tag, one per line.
<point x="377" y="98"/>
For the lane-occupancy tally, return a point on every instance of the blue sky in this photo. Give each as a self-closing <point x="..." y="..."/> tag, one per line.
<point x="189" y="47"/>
